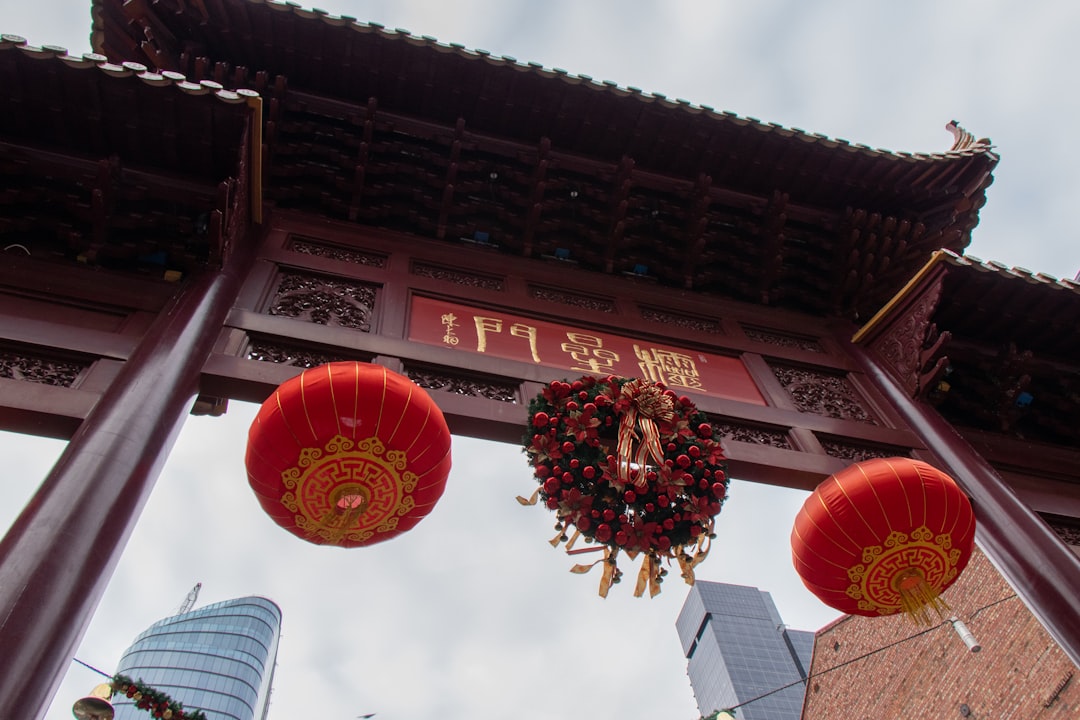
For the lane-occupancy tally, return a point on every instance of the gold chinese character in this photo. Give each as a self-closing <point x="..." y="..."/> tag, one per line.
<point x="485" y="325"/>
<point x="671" y="368"/>
<point x="449" y="321"/>
<point x="589" y="354"/>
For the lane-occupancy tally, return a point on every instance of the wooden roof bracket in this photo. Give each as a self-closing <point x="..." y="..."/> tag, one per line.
<point x="255" y="102"/>
<point x="903" y="335"/>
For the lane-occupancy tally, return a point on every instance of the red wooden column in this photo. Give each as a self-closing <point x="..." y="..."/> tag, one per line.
<point x="59" y="555"/>
<point x="1041" y="568"/>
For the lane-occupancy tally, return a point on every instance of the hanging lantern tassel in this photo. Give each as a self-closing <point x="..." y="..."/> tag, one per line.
<point x="918" y="598"/>
<point x="648" y="403"/>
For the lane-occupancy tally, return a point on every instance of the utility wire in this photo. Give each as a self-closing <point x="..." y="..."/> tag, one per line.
<point x="99" y="672"/>
<point x="863" y="656"/>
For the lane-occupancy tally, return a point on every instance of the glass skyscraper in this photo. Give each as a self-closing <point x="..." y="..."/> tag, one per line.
<point x="737" y="649"/>
<point x="218" y="659"/>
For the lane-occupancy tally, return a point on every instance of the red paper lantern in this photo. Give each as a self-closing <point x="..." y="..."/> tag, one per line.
<point x="883" y="536"/>
<point x="348" y="454"/>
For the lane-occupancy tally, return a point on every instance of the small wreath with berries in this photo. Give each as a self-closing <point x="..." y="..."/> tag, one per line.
<point x="630" y="466"/>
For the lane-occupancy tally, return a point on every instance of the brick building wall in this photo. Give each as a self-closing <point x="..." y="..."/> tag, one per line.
<point x="1020" y="673"/>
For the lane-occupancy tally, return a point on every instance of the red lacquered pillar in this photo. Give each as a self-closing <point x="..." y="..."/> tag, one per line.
<point x="1038" y="565"/>
<point x="59" y="555"/>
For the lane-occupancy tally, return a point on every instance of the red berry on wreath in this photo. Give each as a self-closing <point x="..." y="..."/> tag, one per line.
<point x="541" y="419"/>
<point x="718" y="490"/>
<point x="621" y="537"/>
<point x="630" y="497"/>
<point x="694" y="451"/>
<point x="704" y="430"/>
<point x="683" y="460"/>
<point x="575" y="463"/>
<point x="589" y="472"/>
<point x="571" y="406"/>
<point x="603" y="532"/>
<point x="552" y="485"/>
<point x="553" y="503"/>
<point x="609" y="515"/>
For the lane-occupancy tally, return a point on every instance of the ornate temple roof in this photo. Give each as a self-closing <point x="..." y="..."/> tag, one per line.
<point x="113" y="164"/>
<point x="437" y="140"/>
<point x="993" y="347"/>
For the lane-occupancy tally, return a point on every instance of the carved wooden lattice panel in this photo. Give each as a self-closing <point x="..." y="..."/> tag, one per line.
<point x="439" y="379"/>
<point x="771" y="337"/>
<point x="40" y="369"/>
<point x="857" y="452"/>
<point x="587" y="302"/>
<point x="1066" y="528"/>
<point x="324" y="300"/>
<point x="459" y="277"/>
<point x="687" y="322"/>
<point x="283" y="354"/>
<point x="336" y="252"/>
<point x="757" y="434"/>
<point x="823" y="393"/>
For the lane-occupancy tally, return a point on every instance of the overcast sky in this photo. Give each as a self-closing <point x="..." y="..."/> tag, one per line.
<point x="472" y="614"/>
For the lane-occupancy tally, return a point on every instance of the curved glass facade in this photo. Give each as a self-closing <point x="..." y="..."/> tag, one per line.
<point x="218" y="659"/>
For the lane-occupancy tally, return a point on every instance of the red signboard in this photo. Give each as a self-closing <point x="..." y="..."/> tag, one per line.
<point x="475" y="330"/>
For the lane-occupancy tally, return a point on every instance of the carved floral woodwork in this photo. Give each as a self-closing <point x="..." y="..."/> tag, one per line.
<point x="324" y="300"/>
<point x="823" y="393"/>
<point x="772" y="337"/>
<point x="284" y="354"/>
<point x="459" y="277"/>
<point x="438" y="379"/>
<point x="756" y="434"/>
<point x="857" y="452"/>
<point x="336" y="252"/>
<point x="586" y="302"/>
<point x="40" y="369"/>
<point x="911" y="345"/>
<point x="687" y="322"/>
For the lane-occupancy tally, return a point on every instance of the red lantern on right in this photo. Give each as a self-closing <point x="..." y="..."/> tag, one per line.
<point x="884" y="536"/>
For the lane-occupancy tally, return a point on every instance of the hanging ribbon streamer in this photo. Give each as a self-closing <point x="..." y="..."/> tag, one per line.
<point x="649" y="575"/>
<point x="532" y="498"/>
<point x="648" y="403"/>
<point x="608" y="577"/>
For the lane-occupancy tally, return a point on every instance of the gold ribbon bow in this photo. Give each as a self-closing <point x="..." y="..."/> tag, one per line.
<point x="648" y="403"/>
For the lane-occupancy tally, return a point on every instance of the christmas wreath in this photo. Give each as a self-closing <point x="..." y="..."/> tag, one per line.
<point x="155" y="702"/>
<point x="632" y="467"/>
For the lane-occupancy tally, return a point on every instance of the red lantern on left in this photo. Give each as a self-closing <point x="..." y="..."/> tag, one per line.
<point x="348" y="454"/>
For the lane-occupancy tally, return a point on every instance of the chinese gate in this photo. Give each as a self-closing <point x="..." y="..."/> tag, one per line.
<point x="290" y="226"/>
